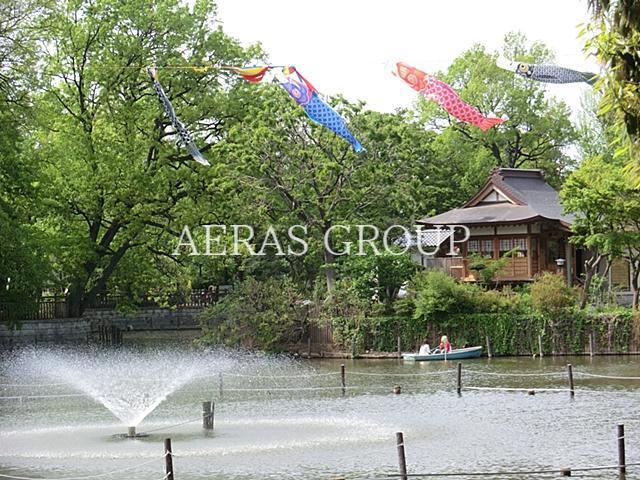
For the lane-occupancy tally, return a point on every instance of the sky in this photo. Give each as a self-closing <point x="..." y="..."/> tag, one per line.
<point x="346" y="46"/>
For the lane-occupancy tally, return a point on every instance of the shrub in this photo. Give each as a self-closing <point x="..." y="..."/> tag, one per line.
<point x="551" y="296"/>
<point x="346" y="310"/>
<point x="378" y="278"/>
<point x="436" y="294"/>
<point x="487" y="268"/>
<point x="258" y="314"/>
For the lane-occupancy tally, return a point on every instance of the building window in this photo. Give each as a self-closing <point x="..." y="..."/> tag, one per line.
<point x="487" y="248"/>
<point x="521" y="245"/>
<point x="508" y="244"/>
<point x="481" y="247"/>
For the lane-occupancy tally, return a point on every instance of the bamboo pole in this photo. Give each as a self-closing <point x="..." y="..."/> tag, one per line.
<point x="622" y="462"/>
<point x="571" y="385"/>
<point x="168" y="459"/>
<point x="402" y="461"/>
<point x="207" y="415"/>
<point x="540" y="352"/>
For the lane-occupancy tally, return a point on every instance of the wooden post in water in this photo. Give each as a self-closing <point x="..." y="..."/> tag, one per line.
<point x="592" y="349"/>
<point x="572" y="391"/>
<point x="168" y="459"/>
<point x="399" y="344"/>
<point x="343" y="378"/>
<point x="402" y="461"/>
<point x="459" y="379"/>
<point x="309" y="345"/>
<point x="622" y="462"/>
<point x="207" y="415"/>
<point x="488" y="347"/>
<point x="540" y="352"/>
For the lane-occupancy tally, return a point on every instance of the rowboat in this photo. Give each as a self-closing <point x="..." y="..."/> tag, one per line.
<point x="458" y="354"/>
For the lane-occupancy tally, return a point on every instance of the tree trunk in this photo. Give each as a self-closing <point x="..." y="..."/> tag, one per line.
<point x="75" y="300"/>
<point x="635" y="281"/>
<point x="330" y="272"/>
<point x="590" y="267"/>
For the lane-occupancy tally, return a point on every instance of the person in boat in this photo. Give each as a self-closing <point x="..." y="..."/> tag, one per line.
<point x="445" y="345"/>
<point x="425" y="349"/>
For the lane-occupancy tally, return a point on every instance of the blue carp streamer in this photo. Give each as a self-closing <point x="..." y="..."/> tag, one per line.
<point x="317" y="109"/>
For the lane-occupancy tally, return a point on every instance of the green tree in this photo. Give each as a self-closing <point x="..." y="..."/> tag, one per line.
<point x="24" y="266"/>
<point x="534" y="136"/>
<point x="551" y="296"/>
<point x="378" y="277"/>
<point x="114" y="182"/>
<point x="258" y="314"/>
<point x="614" y="35"/>
<point x="606" y="205"/>
<point x="292" y="171"/>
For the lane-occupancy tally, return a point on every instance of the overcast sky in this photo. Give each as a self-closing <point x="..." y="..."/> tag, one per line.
<point x="342" y="46"/>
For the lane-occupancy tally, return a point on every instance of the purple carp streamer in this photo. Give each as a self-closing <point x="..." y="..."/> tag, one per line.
<point x="548" y="73"/>
<point x="183" y="134"/>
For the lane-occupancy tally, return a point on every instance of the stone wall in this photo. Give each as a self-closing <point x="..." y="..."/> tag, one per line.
<point x="146" y="318"/>
<point x="37" y="332"/>
<point x="82" y="330"/>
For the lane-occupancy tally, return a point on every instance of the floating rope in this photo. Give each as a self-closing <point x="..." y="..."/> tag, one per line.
<point x="26" y="397"/>
<point x="168" y="427"/>
<point x="498" y="374"/>
<point x="507" y="389"/>
<point x="99" y="475"/>
<point x="280" y="376"/>
<point x="425" y="374"/>
<point x="514" y="472"/>
<point x="289" y="389"/>
<point x="31" y="385"/>
<point x="611" y="377"/>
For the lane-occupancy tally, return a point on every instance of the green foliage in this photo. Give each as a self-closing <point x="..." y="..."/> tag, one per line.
<point x="113" y="183"/>
<point x="378" y="278"/>
<point x="298" y="172"/>
<point x="535" y="135"/>
<point x="551" y="296"/>
<point x="606" y="205"/>
<point x="264" y="315"/>
<point x="25" y="268"/>
<point x="614" y="34"/>
<point x="488" y="268"/>
<point x="437" y="294"/>
<point x="346" y="310"/>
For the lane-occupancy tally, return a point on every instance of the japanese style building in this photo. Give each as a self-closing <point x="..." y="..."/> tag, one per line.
<point x="515" y="209"/>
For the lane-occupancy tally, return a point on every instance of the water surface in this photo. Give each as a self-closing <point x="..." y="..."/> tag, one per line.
<point x="290" y="420"/>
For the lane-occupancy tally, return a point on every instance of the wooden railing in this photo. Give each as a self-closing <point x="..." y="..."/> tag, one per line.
<point x="453" y="266"/>
<point x="46" y="308"/>
<point x="50" y="308"/>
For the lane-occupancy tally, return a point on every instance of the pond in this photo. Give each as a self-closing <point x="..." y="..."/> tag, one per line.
<point x="286" y="418"/>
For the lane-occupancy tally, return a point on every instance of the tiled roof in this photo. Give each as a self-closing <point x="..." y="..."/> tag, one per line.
<point x="530" y="198"/>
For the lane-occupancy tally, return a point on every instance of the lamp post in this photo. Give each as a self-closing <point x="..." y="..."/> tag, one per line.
<point x="560" y="263"/>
